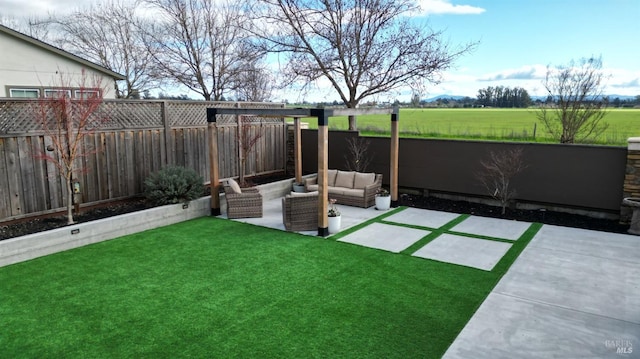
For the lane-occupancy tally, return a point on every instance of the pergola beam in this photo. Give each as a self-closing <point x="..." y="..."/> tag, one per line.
<point x="214" y="175"/>
<point x="393" y="163"/>
<point x="297" y="112"/>
<point x="323" y="149"/>
<point x="297" y="149"/>
<point x="323" y="170"/>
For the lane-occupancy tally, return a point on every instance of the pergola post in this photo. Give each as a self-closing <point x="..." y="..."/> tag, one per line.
<point x="213" y="162"/>
<point x="297" y="149"/>
<point x="394" y="157"/>
<point x="323" y="167"/>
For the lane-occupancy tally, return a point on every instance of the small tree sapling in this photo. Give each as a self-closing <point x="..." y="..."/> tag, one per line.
<point x="498" y="172"/>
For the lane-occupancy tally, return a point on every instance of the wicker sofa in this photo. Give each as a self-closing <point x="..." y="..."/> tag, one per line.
<point x="300" y="211"/>
<point x="349" y="187"/>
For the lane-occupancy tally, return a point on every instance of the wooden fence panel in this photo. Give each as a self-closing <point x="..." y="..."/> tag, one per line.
<point x="101" y="165"/>
<point x="140" y="164"/>
<point x="40" y="173"/>
<point x="54" y="181"/>
<point x="5" y="204"/>
<point x="88" y="178"/>
<point x="27" y="171"/>
<point x="140" y="137"/>
<point x="14" y="176"/>
<point x="111" y="164"/>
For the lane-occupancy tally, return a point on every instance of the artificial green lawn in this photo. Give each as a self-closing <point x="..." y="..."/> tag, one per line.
<point x="217" y="288"/>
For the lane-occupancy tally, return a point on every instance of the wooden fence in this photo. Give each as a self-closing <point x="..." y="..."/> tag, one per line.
<point x="140" y="137"/>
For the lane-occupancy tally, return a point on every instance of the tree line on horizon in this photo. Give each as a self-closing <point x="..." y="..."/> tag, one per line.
<point x="514" y="98"/>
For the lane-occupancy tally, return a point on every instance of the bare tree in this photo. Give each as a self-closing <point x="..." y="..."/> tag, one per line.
<point x="198" y="44"/>
<point x="248" y="137"/>
<point x="498" y="172"/>
<point x="356" y="157"/>
<point x="253" y="83"/>
<point x="110" y="35"/>
<point x="66" y="121"/>
<point x="36" y="27"/>
<point x="580" y="104"/>
<point x="362" y="47"/>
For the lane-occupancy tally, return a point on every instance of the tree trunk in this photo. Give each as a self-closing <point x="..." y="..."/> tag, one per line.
<point x="353" y="125"/>
<point x="69" y="200"/>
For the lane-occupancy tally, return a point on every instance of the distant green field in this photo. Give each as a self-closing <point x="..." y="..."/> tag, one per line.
<point x="485" y="124"/>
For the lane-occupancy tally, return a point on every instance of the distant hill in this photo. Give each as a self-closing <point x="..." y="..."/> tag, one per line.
<point x="611" y="97"/>
<point x="442" y="97"/>
<point x="533" y="98"/>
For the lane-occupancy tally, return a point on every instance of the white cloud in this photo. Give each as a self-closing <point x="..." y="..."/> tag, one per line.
<point x="622" y="82"/>
<point x="441" y="7"/>
<point x="528" y="72"/>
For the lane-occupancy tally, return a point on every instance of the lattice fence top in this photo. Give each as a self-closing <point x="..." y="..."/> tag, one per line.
<point x="22" y="116"/>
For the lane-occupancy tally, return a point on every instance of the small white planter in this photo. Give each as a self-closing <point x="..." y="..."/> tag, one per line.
<point x="334" y="224"/>
<point x="383" y="203"/>
<point x="299" y="188"/>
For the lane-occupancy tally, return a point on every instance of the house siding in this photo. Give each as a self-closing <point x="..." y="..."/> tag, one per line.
<point x="26" y="65"/>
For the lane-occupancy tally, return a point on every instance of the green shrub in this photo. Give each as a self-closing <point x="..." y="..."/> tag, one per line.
<point x="173" y="185"/>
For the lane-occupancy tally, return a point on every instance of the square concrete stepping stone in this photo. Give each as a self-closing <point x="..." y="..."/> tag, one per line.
<point x="422" y="217"/>
<point x="470" y="252"/>
<point x="492" y="227"/>
<point x="385" y="236"/>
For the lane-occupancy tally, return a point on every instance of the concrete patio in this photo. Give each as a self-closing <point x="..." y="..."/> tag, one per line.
<point x="571" y="292"/>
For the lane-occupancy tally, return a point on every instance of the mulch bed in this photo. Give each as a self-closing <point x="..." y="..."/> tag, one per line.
<point x="547" y="217"/>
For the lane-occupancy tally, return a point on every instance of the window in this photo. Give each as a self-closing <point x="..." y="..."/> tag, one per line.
<point x="56" y="93"/>
<point x="25" y="93"/>
<point x="87" y="94"/>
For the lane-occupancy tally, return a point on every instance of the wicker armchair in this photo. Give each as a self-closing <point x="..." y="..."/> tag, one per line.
<point x="246" y="204"/>
<point x="300" y="212"/>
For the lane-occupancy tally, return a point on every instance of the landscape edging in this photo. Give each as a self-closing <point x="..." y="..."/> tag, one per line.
<point x="20" y="249"/>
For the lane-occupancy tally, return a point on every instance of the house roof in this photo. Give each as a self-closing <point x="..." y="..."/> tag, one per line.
<point x="58" y="51"/>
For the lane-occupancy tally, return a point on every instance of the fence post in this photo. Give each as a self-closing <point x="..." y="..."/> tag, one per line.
<point x="169" y="147"/>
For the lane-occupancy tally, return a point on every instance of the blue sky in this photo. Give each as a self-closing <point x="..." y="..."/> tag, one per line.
<point x="518" y="39"/>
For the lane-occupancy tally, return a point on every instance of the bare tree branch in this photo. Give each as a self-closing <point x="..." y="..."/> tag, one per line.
<point x="357" y="158"/>
<point x="66" y="121"/>
<point x="362" y="47"/>
<point x="109" y="34"/>
<point x="579" y="102"/>
<point x="199" y="44"/>
<point x="498" y="173"/>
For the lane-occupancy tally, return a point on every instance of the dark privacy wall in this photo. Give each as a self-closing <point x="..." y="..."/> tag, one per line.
<point x="584" y="176"/>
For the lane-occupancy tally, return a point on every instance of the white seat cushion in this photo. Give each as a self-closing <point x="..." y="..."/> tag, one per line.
<point x="331" y="177"/>
<point x="352" y="192"/>
<point x="363" y="180"/>
<point x="235" y="187"/>
<point x="345" y="179"/>
<point x="301" y="194"/>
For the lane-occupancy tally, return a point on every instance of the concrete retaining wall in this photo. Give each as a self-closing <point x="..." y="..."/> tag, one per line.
<point x="36" y="245"/>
